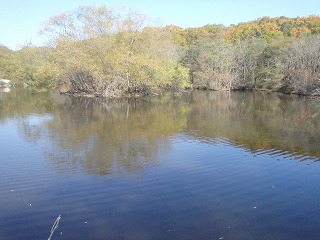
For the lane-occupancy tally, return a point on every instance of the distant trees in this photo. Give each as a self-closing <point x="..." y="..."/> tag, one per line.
<point x="216" y="64"/>
<point x="301" y="66"/>
<point x="27" y="67"/>
<point x="279" y="54"/>
<point x="16" y="66"/>
<point x="99" y="51"/>
<point x="4" y="50"/>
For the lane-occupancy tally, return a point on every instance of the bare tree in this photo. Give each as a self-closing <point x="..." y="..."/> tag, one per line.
<point x="301" y="66"/>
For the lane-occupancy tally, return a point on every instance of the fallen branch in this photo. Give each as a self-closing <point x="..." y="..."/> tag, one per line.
<point x="54" y="226"/>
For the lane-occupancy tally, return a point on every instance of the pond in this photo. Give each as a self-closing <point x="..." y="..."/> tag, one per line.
<point x="204" y="165"/>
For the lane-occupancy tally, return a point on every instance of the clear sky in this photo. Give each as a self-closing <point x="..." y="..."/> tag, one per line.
<point x="20" y="20"/>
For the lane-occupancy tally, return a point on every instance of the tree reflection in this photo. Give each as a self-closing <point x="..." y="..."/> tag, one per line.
<point x="116" y="136"/>
<point x="258" y="120"/>
<point x="25" y="102"/>
<point x="127" y="136"/>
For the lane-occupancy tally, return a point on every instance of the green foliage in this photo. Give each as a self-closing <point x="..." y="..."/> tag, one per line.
<point x="14" y="67"/>
<point x="100" y="51"/>
<point x="27" y="67"/>
<point x="4" y="50"/>
<point x="107" y="53"/>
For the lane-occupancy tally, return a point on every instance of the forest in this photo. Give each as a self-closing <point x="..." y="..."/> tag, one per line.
<point x="106" y="52"/>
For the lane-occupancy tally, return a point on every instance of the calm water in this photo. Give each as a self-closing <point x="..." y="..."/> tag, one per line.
<point x="208" y="165"/>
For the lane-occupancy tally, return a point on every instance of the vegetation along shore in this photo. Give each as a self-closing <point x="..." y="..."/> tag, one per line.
<point x="99" y="51"/>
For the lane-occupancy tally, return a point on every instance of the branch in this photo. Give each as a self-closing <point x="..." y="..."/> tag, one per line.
<point x="54" y="226"/>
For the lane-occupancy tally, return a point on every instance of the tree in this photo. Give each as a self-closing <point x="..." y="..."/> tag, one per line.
<point x="108" y="53"/>
<point x="301" y="66"/>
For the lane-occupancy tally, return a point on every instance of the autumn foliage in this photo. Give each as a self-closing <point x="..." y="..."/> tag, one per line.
<point x="99" y="51"/>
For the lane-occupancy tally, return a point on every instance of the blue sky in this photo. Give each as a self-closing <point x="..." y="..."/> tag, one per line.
<point x="20" y="20"/>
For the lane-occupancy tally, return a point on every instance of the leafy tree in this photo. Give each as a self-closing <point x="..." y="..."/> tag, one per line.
<point x="99" y="51"/>
<point x="109" y="53"/>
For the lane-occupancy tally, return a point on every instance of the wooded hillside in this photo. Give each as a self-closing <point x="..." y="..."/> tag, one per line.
<point x="97" y="51"/>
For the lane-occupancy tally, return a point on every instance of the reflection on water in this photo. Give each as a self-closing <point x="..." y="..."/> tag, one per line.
<point x="110" y="137"/>
<point x="205" y="165"/>
<point x="5" y="90"/>
<point x="103" y="136"/>
<point x="258" y="121"/>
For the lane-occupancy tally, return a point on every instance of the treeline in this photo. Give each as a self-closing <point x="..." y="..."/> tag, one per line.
<point x="281" y="54"/>
<point x="101" y="52"/>
<point x="96" y="51"/>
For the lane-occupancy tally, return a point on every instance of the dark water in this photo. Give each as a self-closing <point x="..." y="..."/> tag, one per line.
<point x="207" y="165"/>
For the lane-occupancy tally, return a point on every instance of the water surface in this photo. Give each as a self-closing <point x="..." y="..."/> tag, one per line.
<point x="205" y="165"/>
